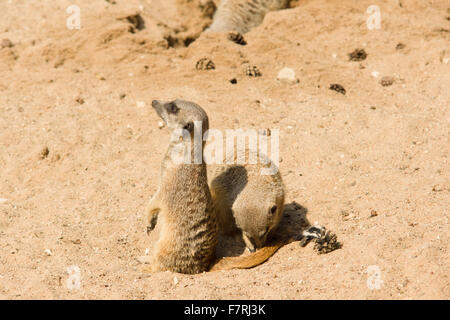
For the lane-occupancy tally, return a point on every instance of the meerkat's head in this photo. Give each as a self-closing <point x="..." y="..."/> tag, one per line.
<point x="180" y="114"/>
<point x="259" y="229"/>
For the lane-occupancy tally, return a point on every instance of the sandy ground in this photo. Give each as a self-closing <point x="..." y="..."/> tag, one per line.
<point x="81" y="148"/>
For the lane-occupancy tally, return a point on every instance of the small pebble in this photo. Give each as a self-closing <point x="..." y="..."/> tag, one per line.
<point x="386" y="81"/>
<point x="160" y="124"/>
<point x="287" y="74"/>
<point x="175" y="280"/>
<point x="338" y="88"/>
<point x="357" y="55"/>
<point x="437" y="188"/>
<point x="140" y="104"/>
<point x="373" y="213"/>
<point x="375" y="74"/>
<point x="44" y="153"/>
<point x="3" y="200"/>
<point x="6" y="43"/>
<point x="48" y="252"/>
<point x="344" y="214"/>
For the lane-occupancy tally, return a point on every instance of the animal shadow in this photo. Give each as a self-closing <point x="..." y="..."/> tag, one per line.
<point x="293" y="222"/>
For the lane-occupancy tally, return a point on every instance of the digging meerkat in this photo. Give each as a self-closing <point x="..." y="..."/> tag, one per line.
<point x="246" y="200"/>
<point x="243" y="15"/>
<point x="185" y="207"/>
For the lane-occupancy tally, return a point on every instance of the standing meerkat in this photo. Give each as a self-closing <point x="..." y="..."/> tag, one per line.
<point x="183" y="204"/>
<point x="242" y="15"/>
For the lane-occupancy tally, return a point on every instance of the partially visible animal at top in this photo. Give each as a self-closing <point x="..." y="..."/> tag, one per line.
<point x="243" y="15"/>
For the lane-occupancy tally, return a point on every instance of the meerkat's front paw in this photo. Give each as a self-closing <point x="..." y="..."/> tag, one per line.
<point x="249" y="244"/>
<point x="153" y="219"/>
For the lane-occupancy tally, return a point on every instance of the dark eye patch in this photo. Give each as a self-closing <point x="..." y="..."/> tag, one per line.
<point x="273" y="209"/>
<point x="172" y="107"/>
<point x="188" y="126"/>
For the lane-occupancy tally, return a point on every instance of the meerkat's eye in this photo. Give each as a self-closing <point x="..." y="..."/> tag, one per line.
<point x="172" y="107"/>
<point x="189" y="126"/>
<point x="273" y="209"/>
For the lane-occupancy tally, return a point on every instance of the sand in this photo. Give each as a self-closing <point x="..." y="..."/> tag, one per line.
<point x="81" y="147"/>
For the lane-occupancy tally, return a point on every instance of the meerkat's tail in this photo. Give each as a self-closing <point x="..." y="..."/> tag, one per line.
<point x="249" y="261"/>
<point x="326" y="241"/>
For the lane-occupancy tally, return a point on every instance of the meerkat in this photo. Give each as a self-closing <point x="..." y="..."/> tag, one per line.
<point x="185" y="208"/>
<point x="183" y="203"/>
<point x="247" y="201"/>
<point x="242" y="15"/>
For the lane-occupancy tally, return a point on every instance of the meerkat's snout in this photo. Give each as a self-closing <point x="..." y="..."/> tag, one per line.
<point x="167" y="111"/>
<point x="158" y="106"/>
<point x="254" y="243"/>
<point x="256" y="236"/>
